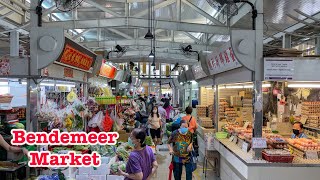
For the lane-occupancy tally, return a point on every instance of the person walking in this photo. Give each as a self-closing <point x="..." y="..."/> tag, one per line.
<point x="155" y="125"/>
<point x="142" y="163"/>
<point x="192" y="122"/>
<point x="163" y="116"/>
<point x="182" y="147"/>
<point x="168" y="109"/>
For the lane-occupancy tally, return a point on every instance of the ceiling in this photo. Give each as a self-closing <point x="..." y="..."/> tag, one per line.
<point x="100" y="25"/>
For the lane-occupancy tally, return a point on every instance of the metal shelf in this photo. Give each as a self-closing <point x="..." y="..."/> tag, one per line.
<point x="316" y="129"/>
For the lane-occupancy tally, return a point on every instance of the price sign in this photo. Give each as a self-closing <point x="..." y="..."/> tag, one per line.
<point x="240" y="142"/>
<point x="312" y="155"/>
<point x="259" y="143"/>
<point x="245" y="147"/>
<point x="231" y="138"/>
<point x="235" y="139"/>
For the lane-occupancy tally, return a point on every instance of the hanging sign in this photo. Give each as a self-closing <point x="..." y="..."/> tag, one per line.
<point x="198" y="71"/>
<point x="278" y="69"/>
<point x="107" y="70"/>
<point x="68" y="72"/>
<point x="76" y="56"/>
<point x="258" y="143"/>
<point x="222" y="59"/>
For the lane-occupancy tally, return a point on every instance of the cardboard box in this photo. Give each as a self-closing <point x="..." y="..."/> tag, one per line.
<point x="124" y="137"/>
<point x="85" y="170"/>
<point x="82" y="177"/>
<point x="114" y="177"/>
<point x="97" y="177"/>
<point x="101" y="170"/>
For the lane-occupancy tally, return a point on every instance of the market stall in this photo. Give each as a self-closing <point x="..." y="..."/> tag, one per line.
<point x="254" y="117"/>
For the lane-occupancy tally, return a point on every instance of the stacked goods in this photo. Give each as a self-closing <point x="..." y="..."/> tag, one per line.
<point x="223" y="104"/>
<point x="310" y="108"/>
<point x="206" y="96"/>
<point x="313" y="121"/>
<point x="246" y="95"/>
<point x="201" y="111"/>
<point x="231" y="114"/>
<point x="282" y="52"/>
<point x="210" y="111"/>
<point x="205" y="122"/>
<point x="235" y="101"/>
<point x="305" y="144"/>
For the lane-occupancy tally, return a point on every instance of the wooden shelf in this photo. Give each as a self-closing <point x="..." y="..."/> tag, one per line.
<point x="316" y="129"/>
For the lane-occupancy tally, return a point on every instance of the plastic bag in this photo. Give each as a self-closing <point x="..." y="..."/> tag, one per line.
<point x="106" y="123"/>
<point x="96" y="120"/>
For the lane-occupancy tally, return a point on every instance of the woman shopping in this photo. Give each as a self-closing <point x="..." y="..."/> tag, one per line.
<point x="155" y="125"/>
<point x="142" y="163"/>
<point x="182" y="146"/>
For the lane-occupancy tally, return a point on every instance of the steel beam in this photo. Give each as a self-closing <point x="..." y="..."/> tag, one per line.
<point x="6" y="14"/>
<point x="155" y="7"/>
<point x="81" y="34"/>
<point x="193" y="38"/>
<point x="140" y="42"/>
<point x="120" y="33"/>
<point x="93" y="9"/>
<point x="161" y="58"/>
<point x="178" y="5"/>
<point x="10" y="6"/>
<point x="14" y="43"/>
<point x="102" y="8"/>
<point x="203" y="13"/>
<point x="317" y="46"/>
<point x="286" y="41"/>
<point x="137" y="23"/>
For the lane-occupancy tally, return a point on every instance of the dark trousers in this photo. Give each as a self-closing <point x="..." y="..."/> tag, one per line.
<point x="177" y="171"/>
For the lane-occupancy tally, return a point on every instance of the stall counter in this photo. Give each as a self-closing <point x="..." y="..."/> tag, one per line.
<point x="236" y="164"/>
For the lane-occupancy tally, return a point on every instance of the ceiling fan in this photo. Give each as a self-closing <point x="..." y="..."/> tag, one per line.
<point x="67" y="5"/>
<point x="119" y="50"/>
<point x="187" y="50"/>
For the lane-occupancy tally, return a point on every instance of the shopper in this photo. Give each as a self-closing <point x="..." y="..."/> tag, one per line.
<point x="163" y="116"/>
<point x="13" y="149"/>
<point x="142" y="163"/>
<point x="298" y="131"/>
<point x="192" y="122"/>
<point x="155" y="125"/>
<point x="182" y="146"/>
<point x="168" y="109"/>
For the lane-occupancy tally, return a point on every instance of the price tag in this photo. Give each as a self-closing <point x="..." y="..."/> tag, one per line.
<point x="259" y="143"/>
<point x="245" y="147"/>
<point x="231" y="138"/>
<point x="312" y="155"/>
<point x="240" y="142"/>
<point x="235" y="139"/>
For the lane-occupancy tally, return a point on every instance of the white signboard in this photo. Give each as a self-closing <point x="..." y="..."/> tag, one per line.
<point x="259" y="143"/>
<point x="222" y="59"/>
<point x="282" y="69"/>
<point x="198" y="71"/>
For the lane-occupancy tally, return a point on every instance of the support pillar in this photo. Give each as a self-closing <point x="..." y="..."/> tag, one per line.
<point x="258" y="77"/>
<point x="14" y="43"/>
<point x="286" y="41"/>
<point x="317" y="46"/>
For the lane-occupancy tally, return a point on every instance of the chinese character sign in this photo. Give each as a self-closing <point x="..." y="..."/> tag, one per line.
<point x="222" y="59"/>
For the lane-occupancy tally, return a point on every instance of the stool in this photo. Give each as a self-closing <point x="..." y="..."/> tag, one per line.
<point x="215" y="156"/>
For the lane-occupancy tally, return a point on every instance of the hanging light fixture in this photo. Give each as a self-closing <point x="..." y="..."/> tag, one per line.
<point x="149" y="34"/>
<point x="151" y="55"/>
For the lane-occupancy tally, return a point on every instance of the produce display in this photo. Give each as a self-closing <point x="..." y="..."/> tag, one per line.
<point x="201" y="111"/>
<point x="149" y="141"/>
<point x="277" y="152"/>
<point x="304" y="144"/>
<point x="122" y="153"/>
<point x="115" y="166"/>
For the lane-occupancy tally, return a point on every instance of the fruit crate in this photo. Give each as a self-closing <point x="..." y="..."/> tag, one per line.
<point x="277" y="158"/>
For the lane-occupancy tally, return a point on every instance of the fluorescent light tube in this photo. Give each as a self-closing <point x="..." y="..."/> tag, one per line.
<point x="66" y="85"/>
<point x="46" y="84"/>
<point x="304" y="85"/>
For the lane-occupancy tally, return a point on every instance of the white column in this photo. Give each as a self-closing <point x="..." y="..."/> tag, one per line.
<point x="14" y="43"/>
<point x="286" y="41"/>
<point x="317" y="46"/>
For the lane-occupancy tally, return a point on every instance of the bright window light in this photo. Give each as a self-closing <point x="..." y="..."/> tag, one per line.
<point x="66" y="85"/>
<point x="46" y="84"/>
<point x="4" y="90"/>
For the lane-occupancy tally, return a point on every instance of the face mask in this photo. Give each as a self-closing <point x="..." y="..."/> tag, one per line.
<point x="154" y="111"/>
<point x="296" y="132"/>
<point x="130" y="143"/>
<point x="184" y="130"/>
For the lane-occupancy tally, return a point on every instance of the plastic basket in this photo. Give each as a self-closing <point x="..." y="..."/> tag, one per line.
<point x="6" y="99"/>
<point x="221" y="135"/>
<point x="277" y="158"/>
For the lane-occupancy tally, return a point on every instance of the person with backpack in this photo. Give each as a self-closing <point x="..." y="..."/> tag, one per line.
<point x="180" y="149"/>
<point x="192" y="122"/>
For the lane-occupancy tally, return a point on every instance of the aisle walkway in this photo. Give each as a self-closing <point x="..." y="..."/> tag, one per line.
<point x="164" y="160"/>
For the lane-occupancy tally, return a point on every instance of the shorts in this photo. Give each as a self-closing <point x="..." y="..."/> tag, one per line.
<point x="155" y="133"/>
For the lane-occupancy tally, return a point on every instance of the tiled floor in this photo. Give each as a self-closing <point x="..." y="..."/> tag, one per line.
<point x="164" y="160"/>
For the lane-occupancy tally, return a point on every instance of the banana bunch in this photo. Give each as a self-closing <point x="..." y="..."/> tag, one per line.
<point x="69" y="123"/>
